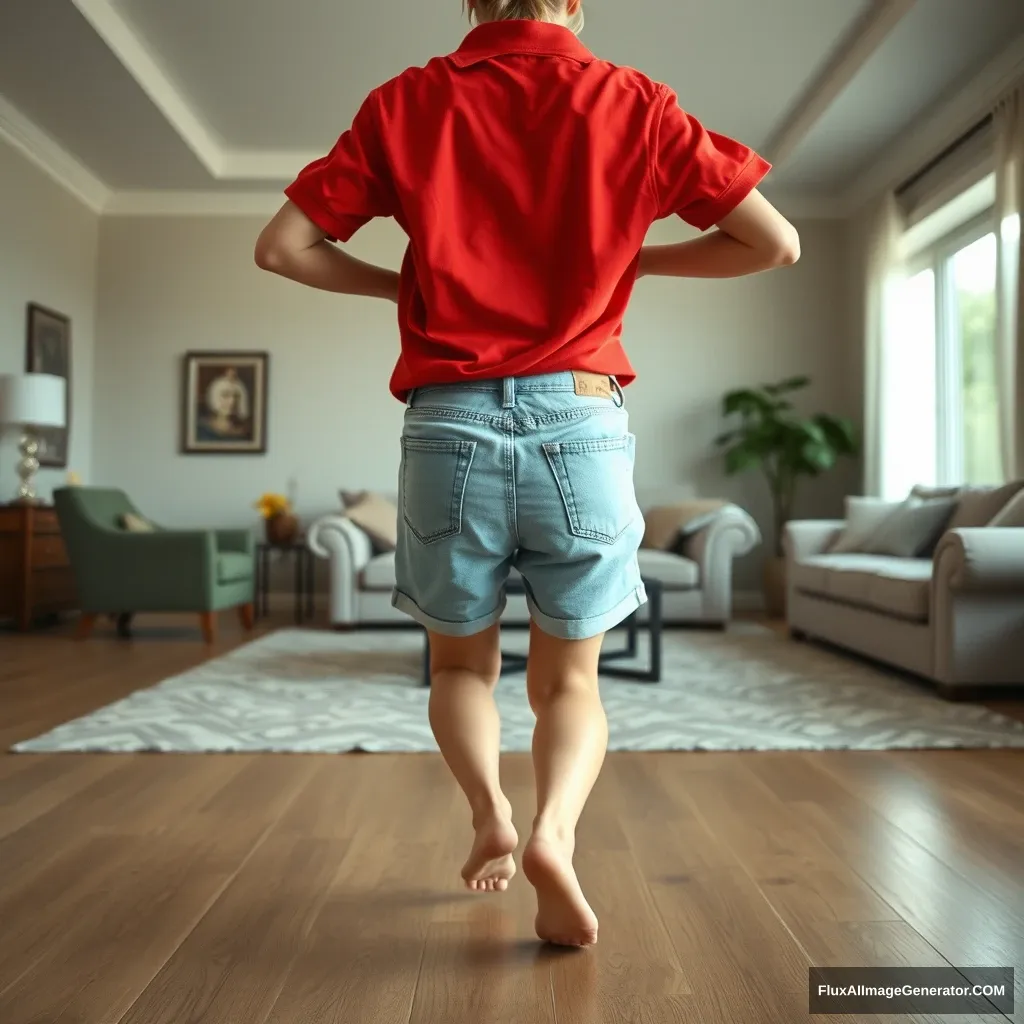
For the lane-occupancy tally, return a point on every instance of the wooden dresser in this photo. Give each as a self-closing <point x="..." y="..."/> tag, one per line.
<point x="35" y="575"/>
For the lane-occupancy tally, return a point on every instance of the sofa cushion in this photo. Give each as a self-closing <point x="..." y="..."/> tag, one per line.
<point x="375" y="515"/>
<point x="864" y="515"/>
<point x="978" y="506"/>
<point x="913" y="529"/>
<point x="900" y="587"/>
<point x="1012" y="515"/>
<point x="234" y="566"/>
<point x="672" y="571"/>
<point x="666" y="524"/>
<point x="379" y="573"/>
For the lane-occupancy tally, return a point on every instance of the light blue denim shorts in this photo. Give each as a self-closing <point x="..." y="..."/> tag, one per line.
<point x="518" y="474"/>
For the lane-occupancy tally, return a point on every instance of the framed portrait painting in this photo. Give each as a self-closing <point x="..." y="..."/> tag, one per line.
<point x="224" y="403"/>
<point x="48" y="350"/>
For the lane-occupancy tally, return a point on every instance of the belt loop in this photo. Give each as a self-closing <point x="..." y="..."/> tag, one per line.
<point x="509" y="396"/>
<point x="410" y="398"/>
<point x="617" y="387"/>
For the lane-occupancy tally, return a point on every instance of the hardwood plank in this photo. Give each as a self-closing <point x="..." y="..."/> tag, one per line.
<point x="232" y="965"/>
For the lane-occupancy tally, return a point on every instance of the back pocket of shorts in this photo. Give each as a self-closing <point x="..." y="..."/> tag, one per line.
<point x="434" y="475"/>
<point x="595" y="478"/>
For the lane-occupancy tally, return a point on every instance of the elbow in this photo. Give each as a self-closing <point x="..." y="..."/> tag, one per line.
<point x="269" y="255"/>
<point x="787" y="249"/>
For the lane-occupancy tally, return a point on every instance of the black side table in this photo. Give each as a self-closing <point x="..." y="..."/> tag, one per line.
<point x="305" y="565"/>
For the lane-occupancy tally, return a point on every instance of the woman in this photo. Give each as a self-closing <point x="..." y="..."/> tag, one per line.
<point x="526" y="173"/>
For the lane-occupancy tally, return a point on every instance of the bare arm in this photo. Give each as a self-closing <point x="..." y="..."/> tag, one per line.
<point x="754" y="237"/>
<point x="292" y="246"/>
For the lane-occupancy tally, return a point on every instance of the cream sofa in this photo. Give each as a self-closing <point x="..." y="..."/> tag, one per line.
<point x="956" y="618"/>
<point x="697" y="583"/>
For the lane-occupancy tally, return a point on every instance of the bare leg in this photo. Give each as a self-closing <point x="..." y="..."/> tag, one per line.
<point x="569" y="745"/>
<point x="464" y="717"/>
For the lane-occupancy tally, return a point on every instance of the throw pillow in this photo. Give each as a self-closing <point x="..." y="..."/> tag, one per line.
<point x="136" y="524"/>
<point x="928" y="493"/>
<point x="978" y="506"/>
<point x="377" y="518"/>
<point x="1012" y="514"/>
<point x="863" y="517"/>
<point x="666" y="525"/>
<point x="913" y="530"/>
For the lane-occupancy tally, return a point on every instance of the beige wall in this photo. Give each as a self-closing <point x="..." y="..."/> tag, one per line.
<point x="48" y="255"/>
<point x="169" y="285"/>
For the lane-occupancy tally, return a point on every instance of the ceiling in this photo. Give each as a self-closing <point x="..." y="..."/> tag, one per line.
<point x="234" y="96"/>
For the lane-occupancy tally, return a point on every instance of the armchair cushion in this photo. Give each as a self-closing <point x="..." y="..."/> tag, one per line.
<point x="233" y="567"/>
<point x="674" y="572"/>
<point x="136" y="524"/>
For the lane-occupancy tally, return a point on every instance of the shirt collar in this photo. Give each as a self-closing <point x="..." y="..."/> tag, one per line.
<point x="542" y="38"/>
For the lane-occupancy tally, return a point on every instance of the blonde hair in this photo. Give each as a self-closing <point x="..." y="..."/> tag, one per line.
<point x="528" y="10"/>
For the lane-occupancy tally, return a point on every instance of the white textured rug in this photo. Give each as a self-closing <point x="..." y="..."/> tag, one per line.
<point x="746" y="689"/>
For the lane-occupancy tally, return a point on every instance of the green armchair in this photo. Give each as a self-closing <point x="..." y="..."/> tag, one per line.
<point x="120" y="572"/>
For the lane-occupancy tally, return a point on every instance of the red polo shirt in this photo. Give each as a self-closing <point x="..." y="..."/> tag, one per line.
<point x="526" y="173"/>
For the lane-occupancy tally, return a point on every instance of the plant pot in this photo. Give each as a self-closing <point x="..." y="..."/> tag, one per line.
<point x="775" y="588"/>
<point x="282" y="530"/>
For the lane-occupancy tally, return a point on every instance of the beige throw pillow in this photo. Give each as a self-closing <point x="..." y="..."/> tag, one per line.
<point x="667" y="524"/>
<point x="863" y="517"/>
<point x="136" y="524"/>
<point x="376" y="517"/>
<point x="1012" y="514"/>
<point x="978" y="506"/>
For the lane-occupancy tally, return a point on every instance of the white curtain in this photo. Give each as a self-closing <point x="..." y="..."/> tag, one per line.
<point x="883" y="276"/>
<point x="1009" y="125"/>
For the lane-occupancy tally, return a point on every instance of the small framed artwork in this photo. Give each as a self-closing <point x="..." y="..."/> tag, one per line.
<point x="224" y="403"/>
<point x="48" y="350"/>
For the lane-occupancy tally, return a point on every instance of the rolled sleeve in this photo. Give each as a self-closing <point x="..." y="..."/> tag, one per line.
<point x="352" y="184"/>
<point x="700" y="176"/>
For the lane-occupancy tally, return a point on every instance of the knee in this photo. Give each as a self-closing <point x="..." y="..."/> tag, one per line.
<point x="544" y="687"/>
<point x="484" y="671"/>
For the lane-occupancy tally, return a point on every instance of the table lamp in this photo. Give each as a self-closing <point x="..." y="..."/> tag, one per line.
<point x="30" y="401"/>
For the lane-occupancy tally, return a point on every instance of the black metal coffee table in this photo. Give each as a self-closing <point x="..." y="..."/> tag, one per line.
<point x="651" y="673"/>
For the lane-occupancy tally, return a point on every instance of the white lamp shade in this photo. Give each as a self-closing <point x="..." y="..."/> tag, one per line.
<point x="32" y="400"/>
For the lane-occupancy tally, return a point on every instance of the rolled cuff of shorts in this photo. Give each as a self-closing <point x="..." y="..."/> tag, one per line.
<point x="404" y="603"/>
<point x="595" y="625"/>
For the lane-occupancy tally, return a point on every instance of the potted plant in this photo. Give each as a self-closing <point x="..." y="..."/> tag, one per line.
<point x="785" y="446"/>
<point x="280" y="524"/>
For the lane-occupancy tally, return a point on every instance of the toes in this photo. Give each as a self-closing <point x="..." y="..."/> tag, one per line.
<point x="502" y="884"/>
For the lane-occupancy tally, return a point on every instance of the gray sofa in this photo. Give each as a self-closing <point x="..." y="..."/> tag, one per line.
<point x="956" y="618"/>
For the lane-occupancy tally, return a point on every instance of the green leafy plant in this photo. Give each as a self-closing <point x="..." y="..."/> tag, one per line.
<point x="772" y="437"/>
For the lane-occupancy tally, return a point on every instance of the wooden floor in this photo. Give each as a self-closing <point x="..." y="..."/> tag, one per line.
<point x="162" y="889"/>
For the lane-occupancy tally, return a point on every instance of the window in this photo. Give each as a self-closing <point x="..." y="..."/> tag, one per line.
<point x="941" y="366"/>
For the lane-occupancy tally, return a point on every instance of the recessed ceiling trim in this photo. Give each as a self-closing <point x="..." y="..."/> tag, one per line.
<point x="940" y="126"/>
<point x="140" y="63"/>
<point x="264" y="164"/>
<point x="853" y="53"/>
<point x="51" y="158"/>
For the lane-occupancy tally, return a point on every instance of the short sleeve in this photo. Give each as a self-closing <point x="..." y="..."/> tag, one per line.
<point x="352" y="184"/>
<point x="699" y="175"/>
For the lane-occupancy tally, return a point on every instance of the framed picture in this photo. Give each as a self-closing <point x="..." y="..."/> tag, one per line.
<point x="224" y="403"/>
<point x="48" y="350"/>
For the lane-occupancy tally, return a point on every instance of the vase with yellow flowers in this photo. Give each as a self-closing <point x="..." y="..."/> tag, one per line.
<point x="280" y="523"/>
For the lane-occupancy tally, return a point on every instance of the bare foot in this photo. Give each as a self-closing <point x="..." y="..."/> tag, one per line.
<point x="564" y="916"/>
<point x="490" y="866"/>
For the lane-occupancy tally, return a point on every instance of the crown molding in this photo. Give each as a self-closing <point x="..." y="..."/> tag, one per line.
<point x="940" y="126"/>
<point x="222" y="162"/>
<point x="140" y="63"/>
<point x="51" y="158"/>
<point x="859" y="45"/>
